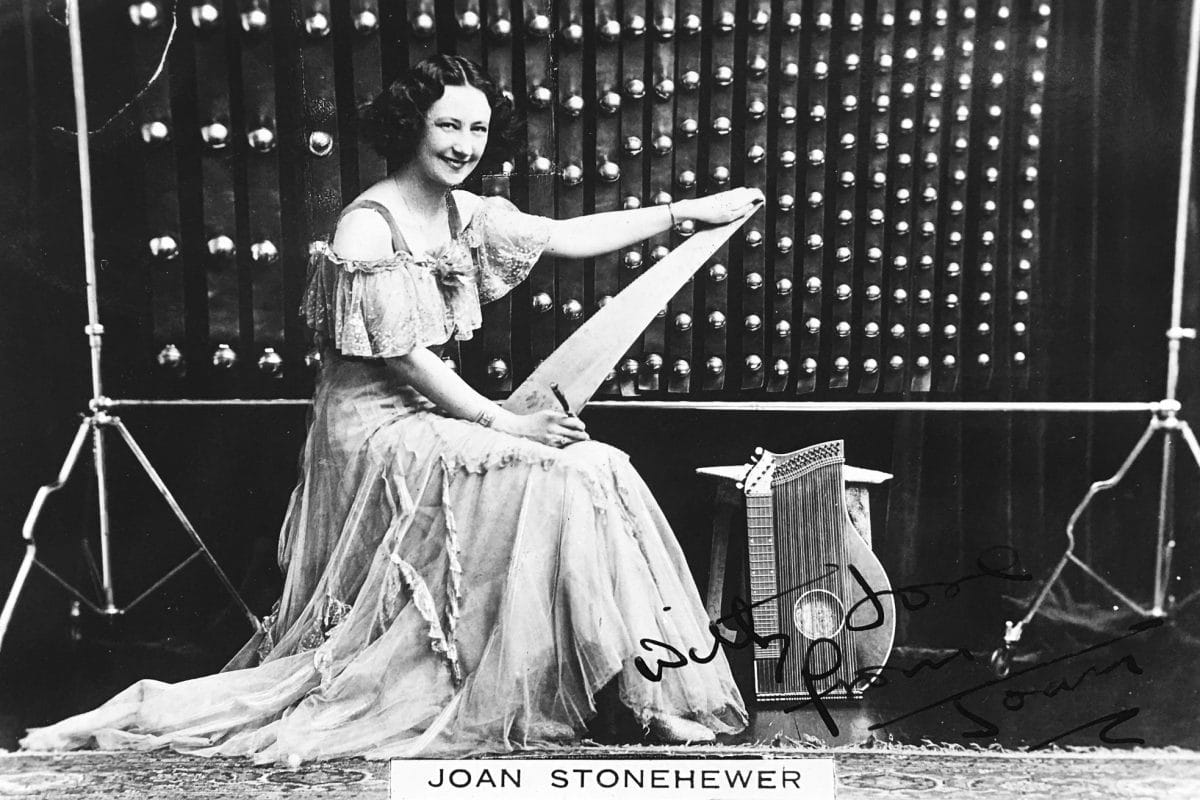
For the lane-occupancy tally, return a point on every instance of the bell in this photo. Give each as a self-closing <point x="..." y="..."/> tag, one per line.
<point x="573" y="105"/>
<point x="541" y="302"/>
<point x="635" y="88"/>
<point x="752" y="323"/>
<point x="261" y="139"/>
<point x="841" y="364"/>
<point x="366" y="21"/>
<point x="497" y="369"/>
<point x="501" y="29"/>
<point x="715" y="365"/>
<point x="653" y="363"/>
<point x="716" y="320"/>
<point x="164" y="247"/>
<point x="469" y="22"/>
<point x="270" y="363"/>
<point x="665" y="26"/>
<point x="871" y="330"/>
<point x="170" y="357"/>
<point x="215" y="135"/>
<point x="206" y="16"/>
<point x="221" y="246"/>
<point x="692" y="24"/>
<point x="717" y="273"/>
<point x="539" y="26"/>
<point x="610" y="102"/>
<point x="423" y="26"/>
<point x="264" y="252"/>
<point x="754" y="363"/>
<point x="683" y="321"/>
<point x="610" y="171"/>
<point x="753" y="281"/>
<point x="155" y="132"/>
<point x="316" y="25"/>
<point x="320" y="143"/>
<point x="681" y="368"/>
<point x="224" y="357"/>
<point x="573" y="34"/>
<point x="572" y="175"/>
<point x="783" y="329"/>
<point x="610" y="31"/>
<point x="145" y="14"/>
<point x="572" y="309"/>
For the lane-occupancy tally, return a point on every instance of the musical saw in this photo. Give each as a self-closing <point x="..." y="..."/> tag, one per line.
<point x="580" y="364"/>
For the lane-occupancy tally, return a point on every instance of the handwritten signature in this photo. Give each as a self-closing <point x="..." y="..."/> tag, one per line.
<point x="913" y="598"/>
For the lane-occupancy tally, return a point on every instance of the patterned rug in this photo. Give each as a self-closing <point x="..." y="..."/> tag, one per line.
<point x="892" y="772"/>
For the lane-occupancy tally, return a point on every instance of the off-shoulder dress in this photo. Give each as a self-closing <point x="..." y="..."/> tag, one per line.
<point x="449" y="588"/>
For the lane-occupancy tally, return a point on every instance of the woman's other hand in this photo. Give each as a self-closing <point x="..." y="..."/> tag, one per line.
<point x="717" y="209"/>
<point x="550" y="427"/>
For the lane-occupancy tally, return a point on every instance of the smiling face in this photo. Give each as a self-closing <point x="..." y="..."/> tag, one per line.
<point x="456" y="132"/>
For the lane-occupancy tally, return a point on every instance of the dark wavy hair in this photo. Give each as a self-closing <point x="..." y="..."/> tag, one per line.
<point x="394" y="122"/>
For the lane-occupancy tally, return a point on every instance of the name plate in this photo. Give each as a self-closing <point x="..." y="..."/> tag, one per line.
<point x="614" y="779"/>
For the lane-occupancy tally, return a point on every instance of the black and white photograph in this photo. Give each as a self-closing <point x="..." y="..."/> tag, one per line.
<point x="599" y="399"/>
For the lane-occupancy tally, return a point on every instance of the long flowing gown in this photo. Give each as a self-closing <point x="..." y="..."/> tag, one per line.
<point x="449" y="589"/>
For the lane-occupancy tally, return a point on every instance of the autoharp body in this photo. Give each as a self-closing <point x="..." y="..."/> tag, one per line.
<point x="809" y="567"/>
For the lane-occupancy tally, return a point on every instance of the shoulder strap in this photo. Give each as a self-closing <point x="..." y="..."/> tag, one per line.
<point x="452" y="215"/>
<point x="398" y="242"/>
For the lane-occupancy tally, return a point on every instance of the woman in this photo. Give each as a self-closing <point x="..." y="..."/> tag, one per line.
<point x="457" y="578"/>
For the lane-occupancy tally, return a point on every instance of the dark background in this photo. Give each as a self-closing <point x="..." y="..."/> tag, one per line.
<point x="963" y="482"/>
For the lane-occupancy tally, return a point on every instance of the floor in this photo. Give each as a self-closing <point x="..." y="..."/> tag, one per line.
<point x="1084" y="679"/>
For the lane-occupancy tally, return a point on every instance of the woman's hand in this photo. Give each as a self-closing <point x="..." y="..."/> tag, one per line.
<point x="717" y="209"/>
<point x="550" y="427"/>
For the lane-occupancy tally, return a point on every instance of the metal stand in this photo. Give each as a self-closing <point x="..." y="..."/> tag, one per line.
<point x="98" y="419"/>
<point x="1165" y="419"/>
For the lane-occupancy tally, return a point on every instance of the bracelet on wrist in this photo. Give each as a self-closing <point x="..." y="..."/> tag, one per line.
<point x="486" y="417"/>
<point x="671" y="211"/>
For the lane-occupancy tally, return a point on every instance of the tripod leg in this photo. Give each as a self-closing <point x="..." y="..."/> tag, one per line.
<point x="100" y="464"/>
<point x="31" y="519"/>
<point x="1189" y="438"/>
<point x="183" y="520"/>
<point x="1013" y="635"/>
<point x="1166" y="521"/>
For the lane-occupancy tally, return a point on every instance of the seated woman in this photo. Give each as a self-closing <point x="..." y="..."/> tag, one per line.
<point x="458" y="579"/>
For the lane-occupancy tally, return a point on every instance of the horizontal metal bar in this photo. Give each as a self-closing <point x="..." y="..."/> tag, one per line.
<point x="900" y="405"/>
<point x="822" y="406"/>
<point x="110" y="403"/>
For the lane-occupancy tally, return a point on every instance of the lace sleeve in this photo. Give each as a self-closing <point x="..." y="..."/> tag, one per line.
<point x="509" y="242"/>
<point x="384" y="308"/>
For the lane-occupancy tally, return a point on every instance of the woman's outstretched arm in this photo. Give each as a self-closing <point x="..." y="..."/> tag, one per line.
<point x="593" y="234"/>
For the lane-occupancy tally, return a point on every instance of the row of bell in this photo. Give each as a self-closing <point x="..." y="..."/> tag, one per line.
<point x="270" y="363"/>
<point x="256" y="18"/>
